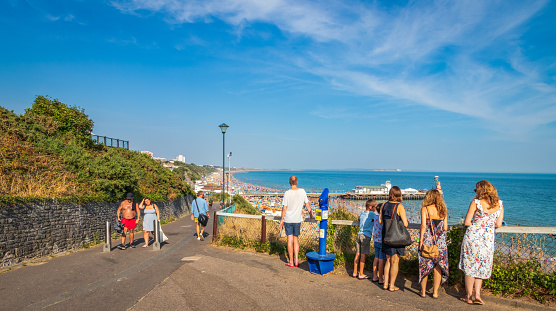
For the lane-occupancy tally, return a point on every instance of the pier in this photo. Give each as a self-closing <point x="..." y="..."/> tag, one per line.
<point x="368" y="196"/>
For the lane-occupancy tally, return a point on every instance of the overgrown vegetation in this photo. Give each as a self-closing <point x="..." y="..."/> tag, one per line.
<point x="47" y="153"/>
<point x="521" y="279"/>
<point x="244" y="207"/>
<point x="195" y="172"/>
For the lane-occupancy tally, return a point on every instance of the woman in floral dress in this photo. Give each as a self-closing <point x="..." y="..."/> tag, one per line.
<point x="433" y="213"/>
<point x="477" y="248"/>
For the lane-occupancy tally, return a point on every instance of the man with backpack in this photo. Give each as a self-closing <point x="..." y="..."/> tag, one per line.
<point x="199" y="208"/>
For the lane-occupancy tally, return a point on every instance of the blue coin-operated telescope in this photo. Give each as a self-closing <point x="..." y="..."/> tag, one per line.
<point x="321" y="262"/>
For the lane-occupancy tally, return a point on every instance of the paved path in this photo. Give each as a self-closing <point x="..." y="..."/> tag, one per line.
<point x="187" y="274"/>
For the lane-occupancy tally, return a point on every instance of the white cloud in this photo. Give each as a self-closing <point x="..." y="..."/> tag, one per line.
<point x="459" y="56"/>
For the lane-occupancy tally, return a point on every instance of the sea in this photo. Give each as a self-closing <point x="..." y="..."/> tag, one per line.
<point x="528" y="199"/>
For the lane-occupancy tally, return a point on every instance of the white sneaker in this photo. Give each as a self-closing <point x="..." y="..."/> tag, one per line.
<point x="199" y="238"/>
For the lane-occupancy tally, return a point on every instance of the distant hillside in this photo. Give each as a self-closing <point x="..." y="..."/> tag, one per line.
<point x="47" y="153"/>
<point x="194" y="172"/>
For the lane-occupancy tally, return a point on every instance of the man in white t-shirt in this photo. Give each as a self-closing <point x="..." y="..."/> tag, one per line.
<point x="292" y="216"/>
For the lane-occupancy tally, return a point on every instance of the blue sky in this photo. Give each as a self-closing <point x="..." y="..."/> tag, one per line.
<point x="416" y="85"/>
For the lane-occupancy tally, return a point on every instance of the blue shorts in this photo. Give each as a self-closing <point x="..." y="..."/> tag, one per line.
<point x="378" y="251"/>
<point x="292" y="228"/>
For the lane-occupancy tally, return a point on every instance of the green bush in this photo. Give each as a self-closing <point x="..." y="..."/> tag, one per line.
<point x="244" y="207"/>
<point x="53" y="133"/>
<point x="522" y="279"/>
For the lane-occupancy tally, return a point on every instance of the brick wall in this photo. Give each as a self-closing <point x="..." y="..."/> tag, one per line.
<point x="40" y="229"/>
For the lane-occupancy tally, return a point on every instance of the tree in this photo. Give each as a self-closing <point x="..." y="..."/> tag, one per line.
<point x="70" y="119"/>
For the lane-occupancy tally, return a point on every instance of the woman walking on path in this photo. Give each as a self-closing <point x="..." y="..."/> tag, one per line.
<point x="392" y="253"/>
<point x="150" y="214"/>
<point x="434" y="224"/>
<point x="477" y="248"/>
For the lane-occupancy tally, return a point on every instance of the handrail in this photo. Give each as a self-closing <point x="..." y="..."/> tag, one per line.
<point x="505" y="229"/>
<point x="103" y="140"/>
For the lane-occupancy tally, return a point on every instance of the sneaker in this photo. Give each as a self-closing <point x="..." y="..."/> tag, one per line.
<point x="121" y="246"/>
<point x="201" y="238"/>
<point x="198" y="238"/>
<point x="132" y="245"/>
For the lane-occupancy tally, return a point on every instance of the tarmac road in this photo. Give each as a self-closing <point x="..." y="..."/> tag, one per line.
<point x="187" y="274"/>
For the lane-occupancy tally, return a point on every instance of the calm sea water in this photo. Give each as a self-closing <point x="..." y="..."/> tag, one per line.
<point x="529" y="199"/>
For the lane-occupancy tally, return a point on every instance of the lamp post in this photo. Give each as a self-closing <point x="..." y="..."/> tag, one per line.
<point x="223" y="127"/>
<point x="229" y="175"/>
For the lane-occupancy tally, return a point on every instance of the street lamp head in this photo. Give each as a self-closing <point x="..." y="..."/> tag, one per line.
<point x="223" y="127"/>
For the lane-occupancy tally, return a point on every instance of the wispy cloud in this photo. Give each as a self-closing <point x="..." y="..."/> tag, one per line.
<point x="463" y="57"/>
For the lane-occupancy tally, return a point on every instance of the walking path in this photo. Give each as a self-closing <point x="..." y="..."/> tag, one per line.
<point x="187" y="274"/>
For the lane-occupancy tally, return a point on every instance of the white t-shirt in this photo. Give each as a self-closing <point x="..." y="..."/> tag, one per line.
<point x="294" y="201"/>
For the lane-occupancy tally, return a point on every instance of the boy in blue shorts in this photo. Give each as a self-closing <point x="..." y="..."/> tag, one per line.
<point x="363" y="241"/>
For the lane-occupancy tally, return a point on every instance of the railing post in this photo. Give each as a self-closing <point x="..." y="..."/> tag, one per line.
<point x="105" y="141"/>
<point x="107" y="239"/>
<point x="263" y="229"/>
<point x="214" y="226"/>
<point x="118" y="143"/>
<point x="156" y="244"/>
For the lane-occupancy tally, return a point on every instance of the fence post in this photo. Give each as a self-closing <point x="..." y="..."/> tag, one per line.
<point x="214" y="226"/>
<point x="107" y="239"/>
<point x="263" y="229"/>
<point x="156" y="244"/>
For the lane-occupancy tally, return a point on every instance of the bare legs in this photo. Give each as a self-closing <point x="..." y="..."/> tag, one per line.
<point x="378" y="270"/>
<point x="359" y="259"/>
<point x="200" y="231"/>
<point x="435" y="283"/>
<point x="293" y="249"/>
<point x="471" y="282"/>
<point x="130" y="236"/>
<point x="391" y="272"/>
<point x="146" y="236"/>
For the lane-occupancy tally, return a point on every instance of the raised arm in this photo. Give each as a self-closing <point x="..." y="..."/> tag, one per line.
<point x="142" y="204"/>
<point x="500" y="218"/>
<point x="470" y="212"/>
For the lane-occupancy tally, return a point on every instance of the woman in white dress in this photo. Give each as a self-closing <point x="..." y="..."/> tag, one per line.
<point x="477" y="248"/>
<point x="150" y="214"/>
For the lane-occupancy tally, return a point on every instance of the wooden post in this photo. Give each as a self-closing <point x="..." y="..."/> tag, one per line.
<point x="263" y="229"/>
<point x="214" y="226"/>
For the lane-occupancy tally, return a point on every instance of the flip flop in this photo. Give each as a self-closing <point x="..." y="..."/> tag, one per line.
<point x="479" y="302"/>
<point x="423" y="295"/>
<point x="145" y="246"/>
<point x="467" y="301"/>
<point x="290" y="265"/>
<point x="364" y="278"/>
<point x="395" y="289"/>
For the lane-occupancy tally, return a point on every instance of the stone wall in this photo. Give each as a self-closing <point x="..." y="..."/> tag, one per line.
<point x="40" y="229"/>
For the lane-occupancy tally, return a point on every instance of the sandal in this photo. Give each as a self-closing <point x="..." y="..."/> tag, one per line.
<point x="145" y="246"/>
<point x="290" y="265"/>
<point x="423" y="295"/>
<point x="364" y="277"/>
<point x="466" y="300"/>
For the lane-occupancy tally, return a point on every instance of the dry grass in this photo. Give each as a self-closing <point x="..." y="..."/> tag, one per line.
<point x="24" y="172"/>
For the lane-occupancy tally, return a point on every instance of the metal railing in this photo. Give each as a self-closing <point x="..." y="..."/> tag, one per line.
<point x="512" y="244"/>
<point x="110" y="142"/>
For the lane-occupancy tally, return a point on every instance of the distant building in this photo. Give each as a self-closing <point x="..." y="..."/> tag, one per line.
<point x="161" y="160"/>
<point x="150" y="154"/>
<point x="180" y="158"/>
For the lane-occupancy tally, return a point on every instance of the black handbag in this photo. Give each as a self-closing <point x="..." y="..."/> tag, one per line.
<point x="118" y="226"/>
<point x="395" y="233"/>
<point x="203" y="219"/>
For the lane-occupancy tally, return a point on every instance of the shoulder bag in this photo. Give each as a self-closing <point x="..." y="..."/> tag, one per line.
<point x="396" y="233"/>
<point x="203" y="219"/>
<point x="430" y="251"/>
